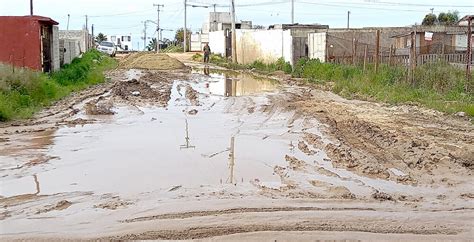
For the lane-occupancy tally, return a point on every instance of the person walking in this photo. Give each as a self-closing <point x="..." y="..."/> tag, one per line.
<point x="207" y="52"/>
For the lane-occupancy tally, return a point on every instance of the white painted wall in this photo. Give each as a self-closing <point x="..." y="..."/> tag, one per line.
<point x="198" y="41"/>
<point x="317" y="46"/>
<point x="217" y="42"/>
<point x="264" y="45"/>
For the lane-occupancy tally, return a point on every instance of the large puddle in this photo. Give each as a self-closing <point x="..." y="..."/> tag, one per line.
<point x="146" y="148"/>
<point x="230" y="137"/>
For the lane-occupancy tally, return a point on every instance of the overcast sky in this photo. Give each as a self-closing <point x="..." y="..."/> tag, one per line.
<point x="127" y="16"/>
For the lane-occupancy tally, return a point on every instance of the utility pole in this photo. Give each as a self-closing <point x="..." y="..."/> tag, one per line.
<point x="432" y="9"/>
<point x="87" y="23"/>
<point x="292" y="11"/>
<point x="31" y="7"/>
<point x="185" y="37"/>
<point x="144" y="36"/>
<point x="214" y="7"/>
<point x="158" y="37"/>
<point x="92" y="30"/>
<point x="348" y="18"/>
<point x="234" y="38"/>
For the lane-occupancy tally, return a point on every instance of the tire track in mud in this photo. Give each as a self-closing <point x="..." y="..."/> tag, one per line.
<point x="237" y="211"/>
<point x="381" y="226"/>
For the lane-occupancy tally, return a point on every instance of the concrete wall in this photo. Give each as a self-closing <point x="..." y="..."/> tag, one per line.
<point x="198" y="40"/>
<point x="264" y="45"/>
<point x="217" y="42"/>
<point x="69" y="49"/>
<point x="55" y="66"/>
<point x="82" y="36"/>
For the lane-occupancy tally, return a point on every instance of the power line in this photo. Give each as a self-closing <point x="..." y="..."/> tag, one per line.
<point x="239" y="5"/>
<point x="419" y="4"/>
<point x="360" y="7"/>
<point x="120" y="14"/>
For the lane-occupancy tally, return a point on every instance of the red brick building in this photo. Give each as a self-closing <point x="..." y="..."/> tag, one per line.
<point x="29" y="41"/>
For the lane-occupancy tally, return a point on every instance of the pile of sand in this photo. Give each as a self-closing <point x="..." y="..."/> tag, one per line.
<point x="150" y="61"/>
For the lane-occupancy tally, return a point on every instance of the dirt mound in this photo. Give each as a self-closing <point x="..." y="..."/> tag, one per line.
<point x="135" y="90"/>
<point x="150" y="61"/>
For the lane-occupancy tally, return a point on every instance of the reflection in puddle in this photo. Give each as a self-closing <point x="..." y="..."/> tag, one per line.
<point x="133" y="152"/>
<point x="37" y="184"/>
<point x="231" y="161"/>
<point x="235" y="84"/>
<point x="187" y="143"/>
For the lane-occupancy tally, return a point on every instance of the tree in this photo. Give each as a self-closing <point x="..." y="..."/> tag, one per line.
<point x="179" y="36"/>
<point x="100" y="37"/>
<point x="430" y="19"/>
<point x="152" y="45"/>
<point x="448" y="18"/>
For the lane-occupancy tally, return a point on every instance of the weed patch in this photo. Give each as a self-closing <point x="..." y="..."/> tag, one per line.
<point x="23" y="92"/>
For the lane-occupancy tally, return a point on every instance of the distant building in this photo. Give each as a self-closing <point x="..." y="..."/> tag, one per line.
<point x="82" y="36"/>
<point x="216" y="21"/>
<point x="30" y="41"/>
<point x="123" y="42"/>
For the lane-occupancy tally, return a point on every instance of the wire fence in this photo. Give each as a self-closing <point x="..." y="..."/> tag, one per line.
<point x="356" y="52"/>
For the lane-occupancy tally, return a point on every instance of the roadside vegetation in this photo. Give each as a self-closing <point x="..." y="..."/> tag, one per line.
<point x="439" y="86"/>
<point x="24" y="92"/>
<point x="279" y="65"/>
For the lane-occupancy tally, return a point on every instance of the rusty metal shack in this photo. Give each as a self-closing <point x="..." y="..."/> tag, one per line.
<point x="29" y="41"/>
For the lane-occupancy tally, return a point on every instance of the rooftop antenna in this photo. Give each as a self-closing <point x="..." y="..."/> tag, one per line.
<point x="68" y="17"/>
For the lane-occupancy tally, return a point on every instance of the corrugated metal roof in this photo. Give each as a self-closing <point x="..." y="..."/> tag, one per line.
<point x="37" y="18"/>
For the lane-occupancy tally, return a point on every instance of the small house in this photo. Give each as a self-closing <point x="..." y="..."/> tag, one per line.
<point x="30" y="41"/>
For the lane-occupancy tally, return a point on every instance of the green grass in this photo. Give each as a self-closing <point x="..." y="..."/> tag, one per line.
<point x="438" y="86"/>
<point x="279" y="65"/>
<point x="24" y="92"/>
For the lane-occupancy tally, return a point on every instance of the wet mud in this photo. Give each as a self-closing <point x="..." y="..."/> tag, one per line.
<point x="203" y="152"/>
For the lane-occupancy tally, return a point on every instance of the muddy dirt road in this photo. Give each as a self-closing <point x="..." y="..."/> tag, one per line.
<point x="196" y="153"/>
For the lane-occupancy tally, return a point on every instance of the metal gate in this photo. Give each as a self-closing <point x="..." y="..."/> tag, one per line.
<point x="317" y="46"/>
<point x="228" y="43"/>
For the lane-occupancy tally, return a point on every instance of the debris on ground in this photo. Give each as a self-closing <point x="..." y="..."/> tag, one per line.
<point x="99" y="107"/>
<point x="61" y="205"/>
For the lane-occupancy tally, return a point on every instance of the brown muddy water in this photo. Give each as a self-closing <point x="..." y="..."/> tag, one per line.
<point x="230" y="134"/>
<point x="147" y="148"/>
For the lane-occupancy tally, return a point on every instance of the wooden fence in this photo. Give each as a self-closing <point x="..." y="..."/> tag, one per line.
<point x="403" y="60"/>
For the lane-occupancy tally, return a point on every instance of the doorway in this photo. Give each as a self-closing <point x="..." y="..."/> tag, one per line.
<point x="46" y="34"/>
